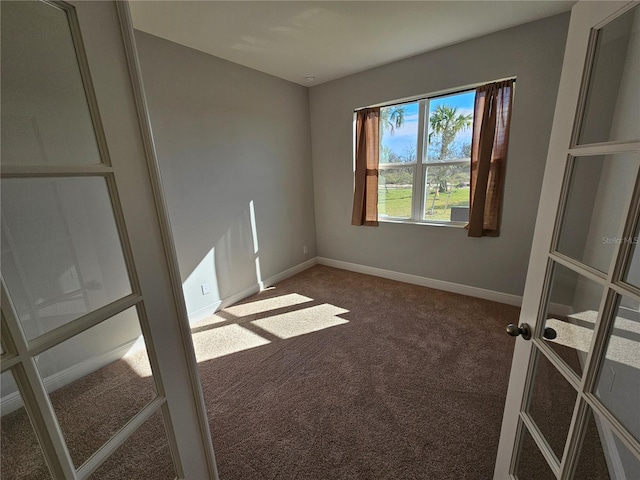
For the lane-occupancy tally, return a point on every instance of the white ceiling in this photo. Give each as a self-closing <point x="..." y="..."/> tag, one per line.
<point x="329" y="39"/>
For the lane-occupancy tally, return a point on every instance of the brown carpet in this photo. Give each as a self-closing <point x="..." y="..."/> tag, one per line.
<point x="412" y="387"/>
<point x="398" y="382"/>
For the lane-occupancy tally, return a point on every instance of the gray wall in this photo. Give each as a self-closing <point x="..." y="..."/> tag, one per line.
<point x="532" y="52"/>
<point x="226" y="136"/>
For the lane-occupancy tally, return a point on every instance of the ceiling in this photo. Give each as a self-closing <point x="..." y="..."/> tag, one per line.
<point x="295" y="40"/>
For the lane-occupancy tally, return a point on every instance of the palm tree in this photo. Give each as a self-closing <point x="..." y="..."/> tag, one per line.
<point x="446" y="122"/>
<point x="392" y="118"/>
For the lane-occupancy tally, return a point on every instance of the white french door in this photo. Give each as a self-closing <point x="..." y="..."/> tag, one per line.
<point x="572" y="409"/>
<point x="97" y="361"/>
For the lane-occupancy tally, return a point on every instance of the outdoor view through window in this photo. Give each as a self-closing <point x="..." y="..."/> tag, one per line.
<point x="424" y="159"/>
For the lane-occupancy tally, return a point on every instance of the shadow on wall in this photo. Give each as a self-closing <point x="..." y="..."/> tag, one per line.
<point x="236" y="253"/>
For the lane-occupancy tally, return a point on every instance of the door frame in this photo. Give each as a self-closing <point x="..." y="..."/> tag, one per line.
<point x="144" y="119"/>
<point x="165" y="297"/>
<point x="575" y="70"/>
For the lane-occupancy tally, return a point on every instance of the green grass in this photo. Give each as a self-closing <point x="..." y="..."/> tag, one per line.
<point x="396" y="202"/>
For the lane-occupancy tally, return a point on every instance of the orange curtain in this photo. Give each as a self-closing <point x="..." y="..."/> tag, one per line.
<point x="365" y="198"/>
<point x="491" y="119"/>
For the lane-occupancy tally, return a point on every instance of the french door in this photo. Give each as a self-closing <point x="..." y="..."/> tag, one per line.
<point x="572" y="409"/>
<point x="98" y="372"/>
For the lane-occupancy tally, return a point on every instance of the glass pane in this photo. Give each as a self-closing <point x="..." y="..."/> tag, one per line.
<point x="612" y="108"/>
<point x="98" y="380"/>
<point x="145" y="454"/>
<point x="531" y="463"/>
<point x="61" y="253"/>
<point x="600" y="190"/>
<point x="632" y="274"/>
<point x="551" y="404"/>
<point x="450" y="127"/>
<point x="45" y="118"/>
<point x="603" y="456"/>
<point x="399" y="133"/>
<point x="21" y="456"/>
<point x="572" y="312"/>
<point x="618" y="386"/>
<point x="395" y="189"/>
<point x="447" y="193"/>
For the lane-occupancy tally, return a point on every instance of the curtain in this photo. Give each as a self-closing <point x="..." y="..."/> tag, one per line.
<point x="365" y="198"/>
<point x="491" y="119"/>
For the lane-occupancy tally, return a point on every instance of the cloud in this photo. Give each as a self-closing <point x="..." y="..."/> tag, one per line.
<point x="466" y="111"/>
<point x="408" y="129"/>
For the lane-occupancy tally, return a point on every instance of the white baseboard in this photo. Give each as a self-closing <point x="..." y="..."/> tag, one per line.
<point x="477" y="292"/>
<point x="290" y="272"/>
<point x="266" y="283"/>
<point x="13" y="401"/>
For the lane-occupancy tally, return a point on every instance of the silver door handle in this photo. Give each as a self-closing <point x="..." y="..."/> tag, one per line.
<point x="524" y="330"/>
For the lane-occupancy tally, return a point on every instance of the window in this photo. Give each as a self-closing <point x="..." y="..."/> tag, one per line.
<point x="424" y="169"/>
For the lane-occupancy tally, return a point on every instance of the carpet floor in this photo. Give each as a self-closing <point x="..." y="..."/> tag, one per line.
<point x="328" y="375"/>
<point x="411" y="386"/>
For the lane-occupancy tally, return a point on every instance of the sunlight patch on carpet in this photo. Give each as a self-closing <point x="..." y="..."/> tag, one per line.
<point x="210" y="320"/>
<point x="268" y="304"/>
<point x="300" y="322"/>
<point x="620" y="348"/>
<point x="139" y="362"/>
<point x="225" y="340"/>
<point x="571" y="335"/>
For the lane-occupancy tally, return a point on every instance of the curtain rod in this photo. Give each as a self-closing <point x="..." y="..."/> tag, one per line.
<point x="442" y="93"/>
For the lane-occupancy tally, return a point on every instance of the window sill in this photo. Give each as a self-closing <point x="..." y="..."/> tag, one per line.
<point x="423" y="222"/>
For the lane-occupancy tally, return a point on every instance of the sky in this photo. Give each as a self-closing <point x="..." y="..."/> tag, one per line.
<point x="406" y="136"/>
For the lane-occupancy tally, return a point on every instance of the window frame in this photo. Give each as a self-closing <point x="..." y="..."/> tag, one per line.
<point x="421" y="165"/>
<point x="417" y="210"/>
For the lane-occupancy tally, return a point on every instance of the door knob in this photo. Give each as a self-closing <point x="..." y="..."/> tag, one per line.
<point x="524" y="330"/>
